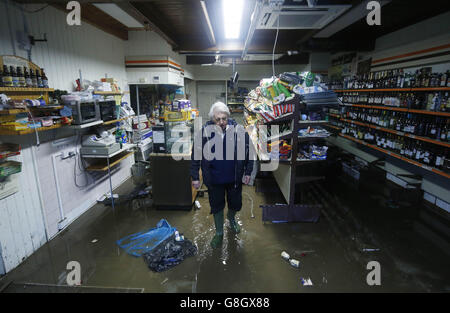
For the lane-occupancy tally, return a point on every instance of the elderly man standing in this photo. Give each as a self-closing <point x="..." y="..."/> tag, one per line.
<point x="222" y="152"/>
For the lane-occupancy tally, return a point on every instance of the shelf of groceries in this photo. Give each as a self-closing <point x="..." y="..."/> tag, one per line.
<point x="276" y="101"/>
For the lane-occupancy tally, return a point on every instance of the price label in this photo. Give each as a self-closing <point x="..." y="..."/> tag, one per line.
<point x="412" y="136"/>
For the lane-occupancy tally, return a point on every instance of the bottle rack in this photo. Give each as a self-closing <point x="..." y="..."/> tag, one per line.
<point x="285" y="174"/>
<point x="397" y="133"/>
<point x="395" y="155"/>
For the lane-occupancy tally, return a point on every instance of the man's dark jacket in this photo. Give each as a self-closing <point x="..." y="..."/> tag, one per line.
<point x="241" y="166"/>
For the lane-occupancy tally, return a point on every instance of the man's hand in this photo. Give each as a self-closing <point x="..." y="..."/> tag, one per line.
<point x="246" y="179"/>
<point x="196" y="184"/>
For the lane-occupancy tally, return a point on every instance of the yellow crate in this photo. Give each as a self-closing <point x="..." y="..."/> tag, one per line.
<point x="176" y="116"/>
<point x="13" y="126"/>
<point x="7" y="118"/>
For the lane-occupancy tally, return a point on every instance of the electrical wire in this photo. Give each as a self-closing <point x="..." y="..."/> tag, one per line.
<point x="35" y="128"/>
<point x="274" y="45"/>
<point x="83" y="170"/>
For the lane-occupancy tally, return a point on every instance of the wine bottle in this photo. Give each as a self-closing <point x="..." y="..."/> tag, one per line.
<point x="15" y="78"/>
<point x="7" y="78"/>
<point x="21" y="77"/>
<point x="28" y="81"/>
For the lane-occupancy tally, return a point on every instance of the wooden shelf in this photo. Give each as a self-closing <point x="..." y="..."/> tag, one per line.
<point x="397" y="109"/>
<point x="87" y="125"/>
<point x="394" y="89"/>
<point x="24" y="89"/>
<point x="7" y="132"/>
<point x="335" y="127"/>
<point x="399" y="133"/>
<point x="47" y="107"/>
<point x="115" y="121"/>
<point x="12" y="111"/>
<point x="334" y="115"/>
<point x="101" y="165"/>
<point x="313" y="123"/>
<point x="429" y="168"/>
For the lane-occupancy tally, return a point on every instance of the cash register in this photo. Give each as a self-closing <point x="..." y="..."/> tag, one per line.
<point x="104" y="144"/>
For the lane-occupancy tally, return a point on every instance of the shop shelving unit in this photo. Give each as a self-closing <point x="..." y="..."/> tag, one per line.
<point x="395" y="155"/>
<point x="286" y="173"/>
<point x="395" y="132"/>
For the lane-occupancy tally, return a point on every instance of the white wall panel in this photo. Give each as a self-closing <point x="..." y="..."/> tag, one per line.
<point x="22" y="229"/>
<point x="23" y="220"/>
<point x="68" y="48"/>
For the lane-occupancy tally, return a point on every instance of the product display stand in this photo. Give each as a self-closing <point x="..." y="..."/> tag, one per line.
<point x="286" y="178"/>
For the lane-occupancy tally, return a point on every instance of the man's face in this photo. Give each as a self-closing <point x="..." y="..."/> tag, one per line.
<point x="221" y="120"/>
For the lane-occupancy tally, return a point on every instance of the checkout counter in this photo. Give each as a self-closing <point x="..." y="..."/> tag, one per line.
<point x="172" y="188"/>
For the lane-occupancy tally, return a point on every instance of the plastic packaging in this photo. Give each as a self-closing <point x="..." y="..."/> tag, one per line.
<point x="294" y="263"/>
<point x="169" y="253"/>
<point x="285" y="255"/>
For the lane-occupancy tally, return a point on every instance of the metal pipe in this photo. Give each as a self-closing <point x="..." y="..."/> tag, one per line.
<point x="58" y="192"/>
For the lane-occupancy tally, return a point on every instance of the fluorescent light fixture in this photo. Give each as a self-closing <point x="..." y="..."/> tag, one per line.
<point x="205" y="12"/>
<point x="117" y="13"/>
<point x="232" y="15"/>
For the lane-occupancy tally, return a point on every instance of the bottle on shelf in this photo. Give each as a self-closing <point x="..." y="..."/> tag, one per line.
<point x="21" y="77"/>
<point x="15" y="78"/>
<point x="7" y="77"/>
<point x="44" y="79"/>
<point x="28" y="81"/>
<point x="33" y="79"/>
<point x="39" y="79"/>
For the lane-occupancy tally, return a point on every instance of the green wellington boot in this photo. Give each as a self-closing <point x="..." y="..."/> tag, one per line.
<point x="233" y="224"/>
<point x="218" y="237"/>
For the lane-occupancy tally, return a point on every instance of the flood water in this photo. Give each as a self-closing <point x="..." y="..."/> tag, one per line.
<point x="331" y="251"/>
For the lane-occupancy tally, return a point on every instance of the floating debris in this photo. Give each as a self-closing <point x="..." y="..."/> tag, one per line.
<point x="294" y="263"/>
<point x="285" y="255"/>
<point x="306" y="282"/>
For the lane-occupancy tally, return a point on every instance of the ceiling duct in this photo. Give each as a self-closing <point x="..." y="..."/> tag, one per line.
<point x="299" y="16"/>
<point x="261" y="57"/>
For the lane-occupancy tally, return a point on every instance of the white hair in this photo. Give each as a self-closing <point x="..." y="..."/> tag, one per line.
<point x="218" y="107"/>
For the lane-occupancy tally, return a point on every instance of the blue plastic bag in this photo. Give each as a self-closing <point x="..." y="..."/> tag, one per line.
<point x="142" y="242"/>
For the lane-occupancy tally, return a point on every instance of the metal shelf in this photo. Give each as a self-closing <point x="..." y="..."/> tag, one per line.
<point x="125" y="147"/>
